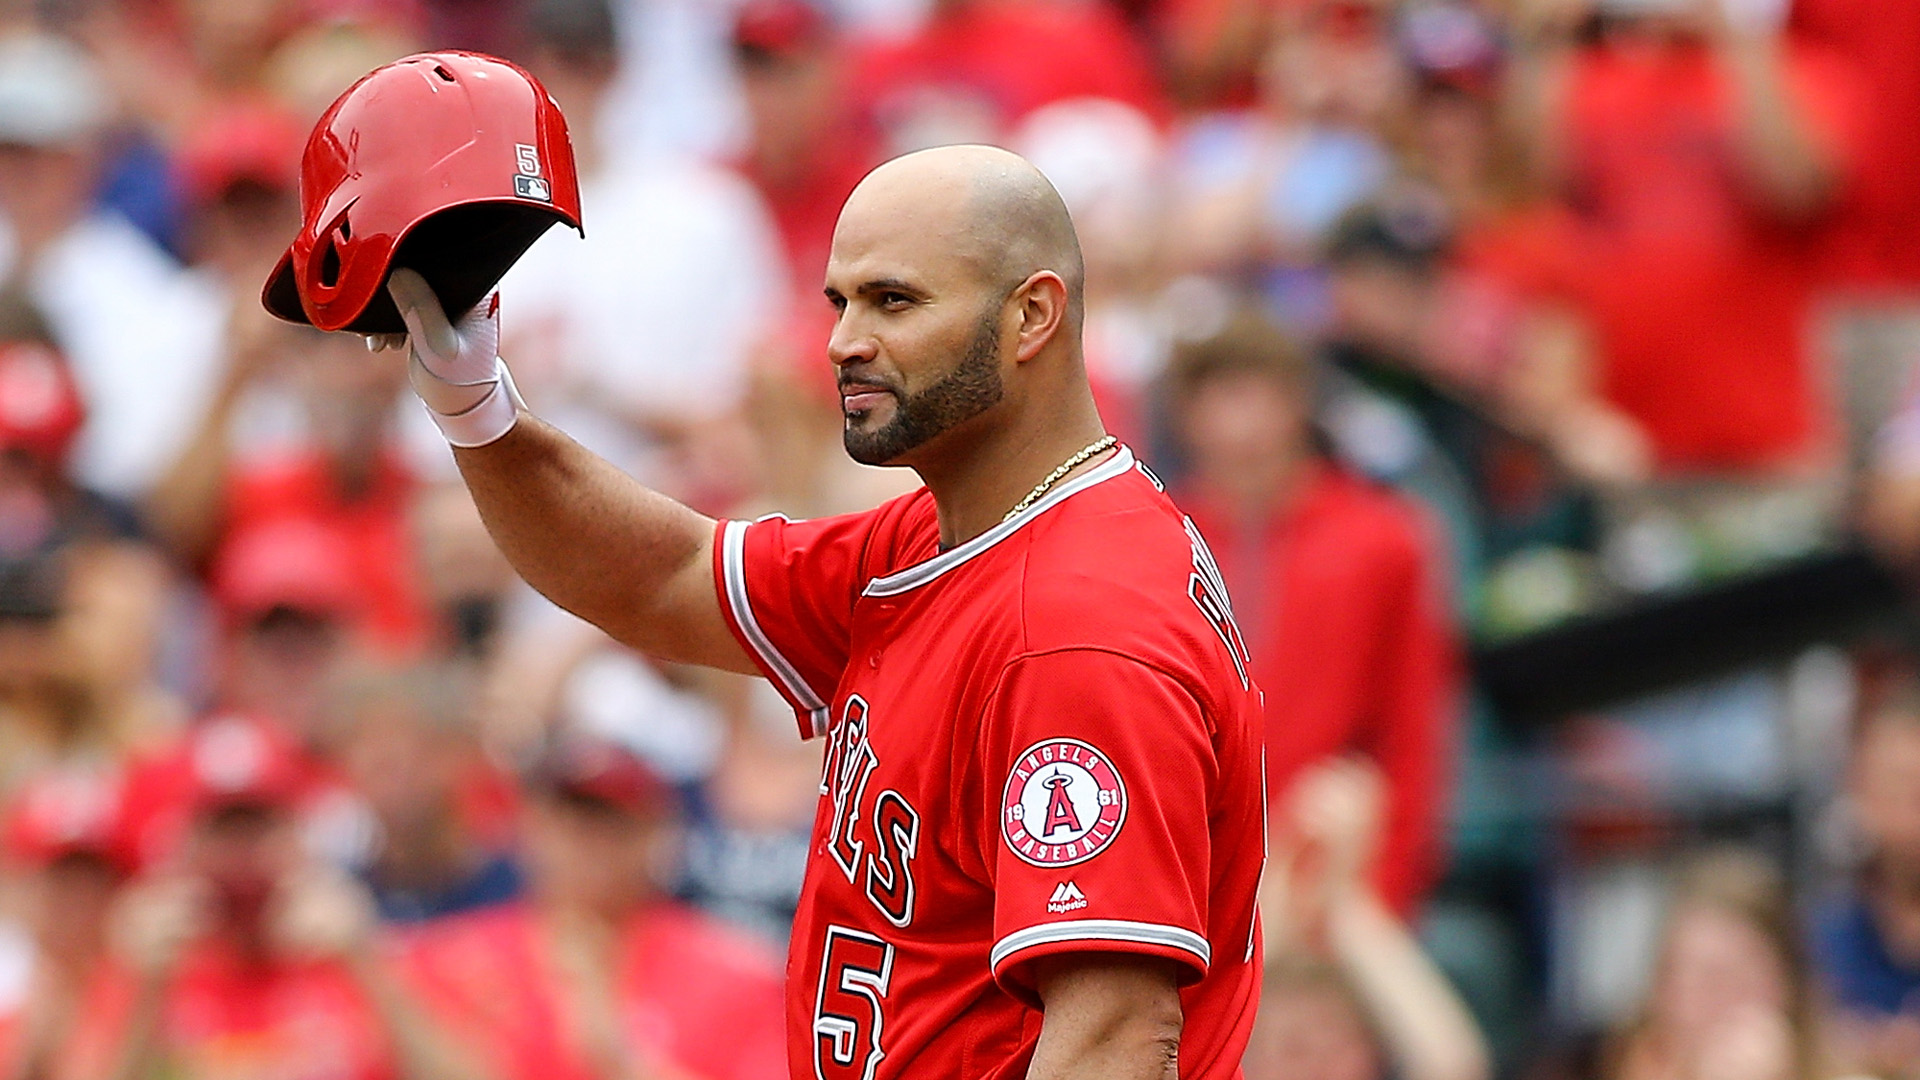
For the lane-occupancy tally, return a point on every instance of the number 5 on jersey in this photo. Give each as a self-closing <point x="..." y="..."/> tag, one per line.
<point x="855" y="968"/>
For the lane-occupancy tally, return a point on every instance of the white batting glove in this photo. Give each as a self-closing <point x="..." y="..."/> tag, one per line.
<point x="455" y="367"/>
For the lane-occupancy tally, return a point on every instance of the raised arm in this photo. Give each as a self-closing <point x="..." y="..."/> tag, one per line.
<point x="586" y="535"/>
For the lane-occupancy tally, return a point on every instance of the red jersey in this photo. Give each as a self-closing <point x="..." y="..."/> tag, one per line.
<point x="226" y="1017"/>
<point x="1701" y="301"/>
<point x="700" y="997"/>
<point x="1041" y="741"/>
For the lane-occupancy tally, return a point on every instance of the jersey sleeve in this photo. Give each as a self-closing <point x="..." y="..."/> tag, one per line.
<point x="787" y="590"/>
<point x="1100" y="771"/>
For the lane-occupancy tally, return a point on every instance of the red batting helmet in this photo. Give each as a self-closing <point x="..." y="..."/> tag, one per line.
<point x="449" y="163"/>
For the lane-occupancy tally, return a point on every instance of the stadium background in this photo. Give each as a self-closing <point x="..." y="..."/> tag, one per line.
<point x="1543" y="374"/>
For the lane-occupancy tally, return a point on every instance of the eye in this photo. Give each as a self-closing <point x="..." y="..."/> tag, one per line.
<point x="839" y="302"/>
<point x="895" y="301"/>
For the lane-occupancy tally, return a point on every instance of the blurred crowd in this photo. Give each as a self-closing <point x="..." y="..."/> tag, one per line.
<point x="1448" y="321"/>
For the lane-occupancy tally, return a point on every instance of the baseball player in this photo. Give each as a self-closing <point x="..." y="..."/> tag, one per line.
<point x="1039" y="838"/>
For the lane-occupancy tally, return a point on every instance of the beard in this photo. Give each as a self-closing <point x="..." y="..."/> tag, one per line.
<point x="971" y="388"/>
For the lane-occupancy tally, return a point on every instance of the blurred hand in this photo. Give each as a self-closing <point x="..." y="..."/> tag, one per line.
<point x="1757" y="1045"/>
<point x="1603" y="447"/>
<point x="256" y="344"/>
<point x="321" y="912"/>
<point x="1340" y="806"/>
<point x="155" y="920"/>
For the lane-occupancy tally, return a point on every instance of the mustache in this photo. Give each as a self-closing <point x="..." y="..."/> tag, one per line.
<point x="848" y="380"/>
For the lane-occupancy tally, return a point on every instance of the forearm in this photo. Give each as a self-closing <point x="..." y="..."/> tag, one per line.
<point x="141" y="1054"/>
<point x="595" y="541"/>
<point x="423" y="1050"/>
<point x="1427" y="1028"/>
<point x="1794" y="173"/>
<point x="184" y="507"/>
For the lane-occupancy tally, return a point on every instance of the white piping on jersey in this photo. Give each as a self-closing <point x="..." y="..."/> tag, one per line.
<point x="920" y="573"/>
<point x="1138" y="933"/>
<point x="733" y="566"/>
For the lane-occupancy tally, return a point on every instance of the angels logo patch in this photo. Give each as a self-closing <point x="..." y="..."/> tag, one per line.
<point x="1064" y="803"/>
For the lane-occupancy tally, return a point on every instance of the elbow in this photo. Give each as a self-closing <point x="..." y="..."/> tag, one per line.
<point x="1161" y="1044"/>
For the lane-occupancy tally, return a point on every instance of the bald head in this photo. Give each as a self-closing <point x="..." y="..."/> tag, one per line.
<point x="989" y="207"/>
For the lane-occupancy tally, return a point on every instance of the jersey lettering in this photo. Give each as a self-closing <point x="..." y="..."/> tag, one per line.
<point x="893" y="825"/>
<point x="848" y="1008"/>
<point x="889" y="869"/>
<point x="848" y="785"/>
<point x="1208" y="590"/>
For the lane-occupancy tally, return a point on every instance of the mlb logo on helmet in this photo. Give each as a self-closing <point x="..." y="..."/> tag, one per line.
<point x="449" y="163"/>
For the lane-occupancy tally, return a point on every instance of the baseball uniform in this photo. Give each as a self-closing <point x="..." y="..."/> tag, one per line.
<point x="1041" y="741"/>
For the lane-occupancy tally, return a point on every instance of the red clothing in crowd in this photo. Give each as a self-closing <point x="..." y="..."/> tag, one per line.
<point x="1341" y="599"/>
<point x="1700" y="300"/>
<point x="371" y="529"/>
<point x="226" y="1016"/>
<point x="1002" y="59"/>
<point x="1879" y="241"/>
<point x="699" y="996"/>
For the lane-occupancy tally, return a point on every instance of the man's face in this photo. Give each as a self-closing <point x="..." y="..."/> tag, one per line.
<point x="918" y="340"/>
<point x="591" y="854"/>
<point x="1238" y="421"/>
<point x="49" y="187"/>
<point x="1886" y="791"/>
<point x="243" y="851"/>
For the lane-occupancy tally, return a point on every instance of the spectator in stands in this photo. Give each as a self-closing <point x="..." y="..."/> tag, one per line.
<point x="977" y="67"/>
<point x="67" y="854"/>
<point x="139" y="332"/>
<point x="288" y="605"/>
<point x="1349" y="994"/>
<point x="1730" y="996"/>
<point x="404" y="742"/>
<point x="600" y="977"/>
<point x="666" y="239"/>
<point x="246" y="957"/>
<point x="807" y="146"/>
<point x="1868" y="942"/>
<point x="332" y="463"/>
<point x="1259" y="189"/>
<point x="238" y="172"/>
<point x="1337" y="585"/>
<point x="83" y="596"/>
<point x="1700" y="158"/>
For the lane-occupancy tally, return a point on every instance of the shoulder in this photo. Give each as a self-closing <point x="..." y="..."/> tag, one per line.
<point x="1369" y="518"/>
<point x="1112" y="569"/>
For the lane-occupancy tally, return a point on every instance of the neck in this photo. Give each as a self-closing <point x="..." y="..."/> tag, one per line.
<point x="975" y="484"/>
<point x="437" y="854"/>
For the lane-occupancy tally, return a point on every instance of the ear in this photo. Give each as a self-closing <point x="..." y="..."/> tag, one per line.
<point x="1042" y="303"/>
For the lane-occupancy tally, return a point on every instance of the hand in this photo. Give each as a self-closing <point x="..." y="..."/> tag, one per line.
<point x="1340" y="806"/>
<point x="321" y="912"/>
<point x="1756" y="1045"/>
<point x="455" y="367"/>
<point x="155" y="920"/>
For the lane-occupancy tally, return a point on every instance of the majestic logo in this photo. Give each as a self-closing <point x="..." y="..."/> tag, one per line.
<point x="1066" y="897"/>
<point x="1064" y="803"/>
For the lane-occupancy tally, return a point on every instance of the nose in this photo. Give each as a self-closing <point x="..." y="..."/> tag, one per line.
<point x="848" y="344"/>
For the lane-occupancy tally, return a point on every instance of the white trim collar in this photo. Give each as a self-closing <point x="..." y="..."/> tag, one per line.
<point x="920" y="573"/>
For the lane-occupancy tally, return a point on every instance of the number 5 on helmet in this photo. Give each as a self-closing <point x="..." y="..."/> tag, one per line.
<point x="450" y="164"/>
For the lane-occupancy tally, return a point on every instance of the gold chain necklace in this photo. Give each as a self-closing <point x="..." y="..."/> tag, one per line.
<point x="1067" y="466"/>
